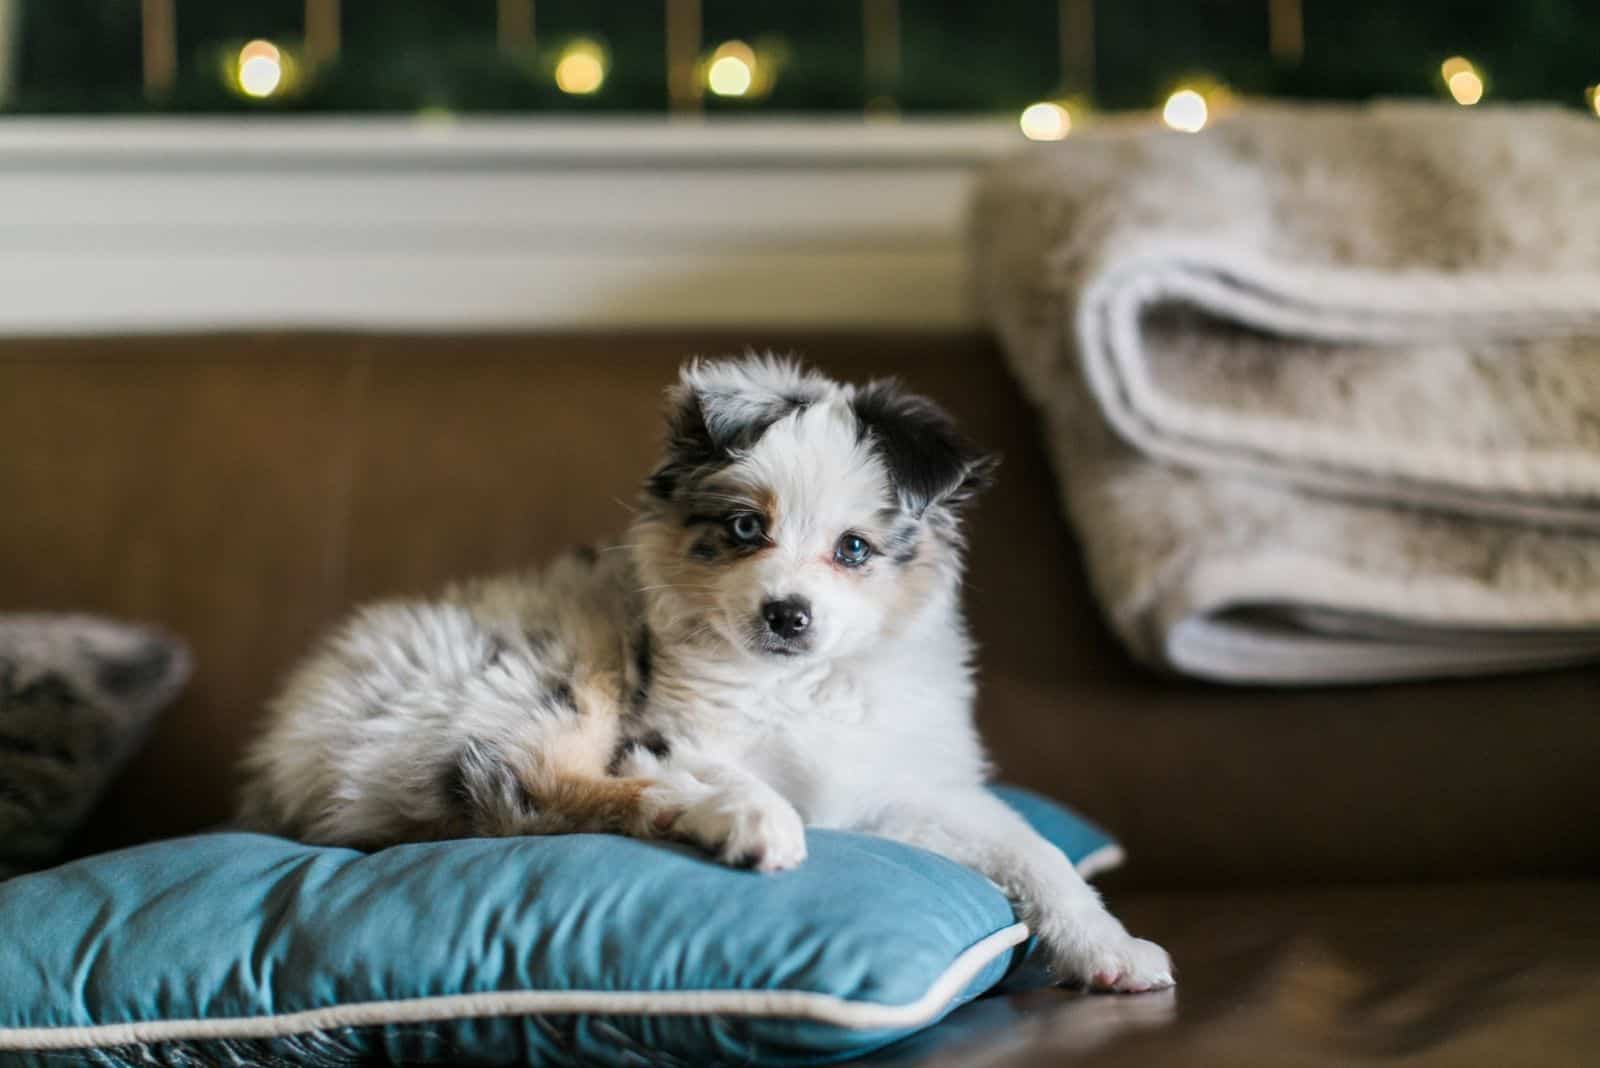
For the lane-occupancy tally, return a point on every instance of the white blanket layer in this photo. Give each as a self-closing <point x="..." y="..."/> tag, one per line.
<point x="1323" y="384"/>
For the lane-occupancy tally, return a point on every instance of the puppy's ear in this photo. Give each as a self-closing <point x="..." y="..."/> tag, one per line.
<point x="930" y="463"/>
<point x="689" y="435"/>
<point x="689" y="444"/>
<point x="978" y="477"/>
<point x="720" y="406"/>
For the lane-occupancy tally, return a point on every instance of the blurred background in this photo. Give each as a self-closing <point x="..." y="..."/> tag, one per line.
<point x="535" y="164"/>
<point x="916" y="57"/>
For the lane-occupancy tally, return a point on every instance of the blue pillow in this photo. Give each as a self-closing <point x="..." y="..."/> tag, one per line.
<point x="551" y="951"/>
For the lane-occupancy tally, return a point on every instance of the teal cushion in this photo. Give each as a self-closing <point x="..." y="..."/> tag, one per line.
<point x="551" y="951"/>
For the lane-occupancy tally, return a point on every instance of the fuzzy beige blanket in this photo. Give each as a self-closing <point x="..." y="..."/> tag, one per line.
<point x="1323" y="384"/>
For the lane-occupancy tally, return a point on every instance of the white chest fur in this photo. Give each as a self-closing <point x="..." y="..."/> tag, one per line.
<point x="836" y="738"/>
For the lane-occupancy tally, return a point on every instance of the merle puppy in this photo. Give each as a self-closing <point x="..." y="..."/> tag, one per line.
<point x="778" y="643"/>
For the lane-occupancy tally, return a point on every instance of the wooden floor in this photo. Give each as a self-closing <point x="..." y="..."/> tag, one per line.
<point x="1491" y="975"/>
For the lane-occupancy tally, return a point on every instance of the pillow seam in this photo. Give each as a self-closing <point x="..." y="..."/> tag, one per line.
<point x="803" y="1005"/>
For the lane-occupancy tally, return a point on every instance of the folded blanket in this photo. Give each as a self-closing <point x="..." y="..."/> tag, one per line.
<point x="1324" y="384"/>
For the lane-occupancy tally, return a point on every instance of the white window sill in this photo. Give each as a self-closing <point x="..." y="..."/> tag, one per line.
<point x="163" y="224"/>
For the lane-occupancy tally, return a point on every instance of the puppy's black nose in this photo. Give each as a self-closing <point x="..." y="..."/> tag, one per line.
<point x="788" y="617"/>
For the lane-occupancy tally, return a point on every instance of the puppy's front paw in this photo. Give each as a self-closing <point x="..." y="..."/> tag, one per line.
<point x="1099" y="953"/>
<point x="746" y="829"/>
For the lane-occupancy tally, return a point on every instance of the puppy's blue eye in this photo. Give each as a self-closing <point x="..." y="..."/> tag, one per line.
<point x="852" y="550"/>
<point x="747" y="528"/>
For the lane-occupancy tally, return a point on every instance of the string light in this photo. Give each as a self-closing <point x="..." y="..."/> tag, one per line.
<point x="1463" y="80"/>
<point x="1186" y="111"/>
<point x="1045" y="121"/>
<point x="1466" y="87"/>
<point x="581" y="68"/>
<point x="732" y="70"/>
<point x="260" y="69"/>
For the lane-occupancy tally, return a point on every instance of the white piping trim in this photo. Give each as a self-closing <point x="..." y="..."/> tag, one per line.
<point x="790" y="1004"/>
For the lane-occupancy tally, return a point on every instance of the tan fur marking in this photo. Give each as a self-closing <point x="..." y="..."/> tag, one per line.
<point x="767" y="503"/>
<point x="604" y="805"/>
<point x="566" y="776"/>
<point x="585" y="748"/>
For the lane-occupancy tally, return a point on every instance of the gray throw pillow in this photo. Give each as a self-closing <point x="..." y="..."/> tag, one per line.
<point x="76" y="697"/>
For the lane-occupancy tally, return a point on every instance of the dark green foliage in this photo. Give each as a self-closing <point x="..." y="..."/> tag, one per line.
<point x="406" y="55"/>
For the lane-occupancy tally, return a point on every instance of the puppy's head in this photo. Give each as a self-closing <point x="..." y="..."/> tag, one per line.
<point x="793" y="516"/>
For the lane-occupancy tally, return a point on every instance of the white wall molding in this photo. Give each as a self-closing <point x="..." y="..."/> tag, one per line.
<point x="146" y="225"/>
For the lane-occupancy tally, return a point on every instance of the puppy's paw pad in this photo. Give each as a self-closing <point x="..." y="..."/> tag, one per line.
<point x="671" y="794"/>
<point x="765" y="834"/>
<point x="1116" y="962"/>
<point x="1133" y="967"/>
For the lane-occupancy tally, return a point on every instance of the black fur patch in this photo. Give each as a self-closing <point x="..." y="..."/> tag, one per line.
<point x="717" y="541"/>
<point x="128" y="677"/>
<point x="929" y="460"/>
<point x="652" y="742"/>
<point x="901" y="545"/>
<point x="664" y="483"/>
<point x="586" y="554"/>
<point x="482" y="781"/>
<point x="714" y="513"/>
<point x="497" y="649"/>
<point x="561" y="695"/>
<point x="453" y="778"/>
<point x="50" y="691"/>
<point x="32" y="747"/>
<point x="643" y="665"/>
<point x="703" y="519"/>
<point x="618" y="755"/>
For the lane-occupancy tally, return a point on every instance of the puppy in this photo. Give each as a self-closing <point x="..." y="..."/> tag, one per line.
<point x="778" y="643"/>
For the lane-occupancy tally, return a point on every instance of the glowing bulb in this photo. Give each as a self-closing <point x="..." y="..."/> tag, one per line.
<point x="729" y="76"/>
<point x="1045" y="121"/>
<point x="259" y="77"/>
<point x="1461" y="77"/>
<point x="1592" y="95"/>
<point x="1185" y="111"/>
<point x="261" y="49"/>
<point x="581" y="70"/>
<point x="733" y="69"/>
<point x="1466" y="87"/>
<point x="260" y="69"/>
